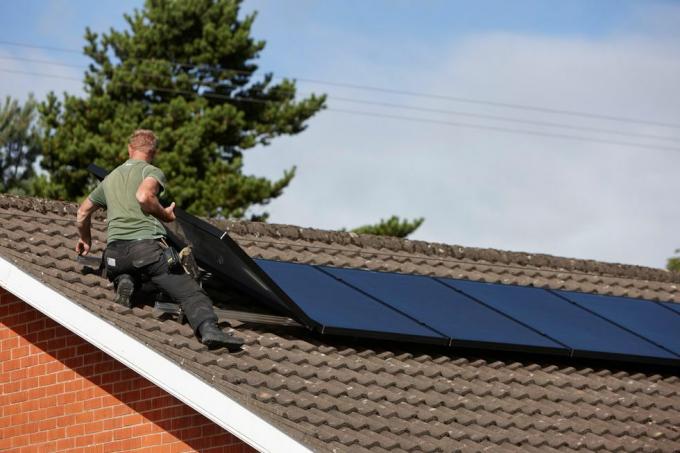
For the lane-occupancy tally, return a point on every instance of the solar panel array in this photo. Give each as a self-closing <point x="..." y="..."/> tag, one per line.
<point x="444" y="311"/>
<point x="462" y="313"/>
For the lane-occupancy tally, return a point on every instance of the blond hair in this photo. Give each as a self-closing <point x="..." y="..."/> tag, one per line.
<point x="143" y="140"/>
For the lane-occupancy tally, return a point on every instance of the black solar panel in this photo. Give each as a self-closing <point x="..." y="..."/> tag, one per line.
<point x="339" y="309"/>
<point x="586" y="334"/>
<point x="465" y="321"/>
<point x="675" y="307"/>
<point x="645" y="318"/>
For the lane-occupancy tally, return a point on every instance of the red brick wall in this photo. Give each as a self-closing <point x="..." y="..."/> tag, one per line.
<point x="59" y="393"/>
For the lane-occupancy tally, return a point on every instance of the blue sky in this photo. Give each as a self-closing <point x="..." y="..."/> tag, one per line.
<point x="474" y="187"/>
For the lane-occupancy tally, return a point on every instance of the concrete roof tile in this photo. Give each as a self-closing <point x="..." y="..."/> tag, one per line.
<point x="369" y="397"/>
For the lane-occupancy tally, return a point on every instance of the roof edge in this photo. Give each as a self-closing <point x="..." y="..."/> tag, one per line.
<point x="210" y="402"/>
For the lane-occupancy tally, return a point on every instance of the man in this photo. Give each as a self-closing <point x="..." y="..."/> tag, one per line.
<point x="135" y="248"/>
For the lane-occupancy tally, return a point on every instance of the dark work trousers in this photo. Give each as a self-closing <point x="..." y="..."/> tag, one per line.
<point x="144" y="260"/>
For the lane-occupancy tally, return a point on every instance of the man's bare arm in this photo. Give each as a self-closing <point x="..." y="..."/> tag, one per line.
<point x="83" y="222"/>
<point x="148" y="201"/>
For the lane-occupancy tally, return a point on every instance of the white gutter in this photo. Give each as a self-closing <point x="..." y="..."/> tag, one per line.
<point x="215" y="405"/>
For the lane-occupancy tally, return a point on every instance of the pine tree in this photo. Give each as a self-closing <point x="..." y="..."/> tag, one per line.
<point x="185" y="70"/>
<point x="18" y="144"/>
<point x="391" y="227"/>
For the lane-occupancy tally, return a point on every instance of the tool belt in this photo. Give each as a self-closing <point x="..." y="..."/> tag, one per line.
<point x="171" y="257"/>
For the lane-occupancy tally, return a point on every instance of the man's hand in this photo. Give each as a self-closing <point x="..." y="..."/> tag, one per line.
<point x="170" y="212"/>
<point x="83" y="247"/>
<point x="83" y="221"/>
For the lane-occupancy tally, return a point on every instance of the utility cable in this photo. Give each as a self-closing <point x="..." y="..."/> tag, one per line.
<point x="508" y="105"/>
<point x="416" y="108"/>
<point x="382" y="115"/>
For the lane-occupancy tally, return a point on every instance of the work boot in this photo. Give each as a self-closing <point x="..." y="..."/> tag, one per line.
<point x="213" y="337"/>
<point x="124" y="289"/>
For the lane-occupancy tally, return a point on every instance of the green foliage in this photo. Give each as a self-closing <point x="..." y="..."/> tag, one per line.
<point x="391" y="227"/>
<point x="18" y="145"/>
<point x="674" y="262"/>
<point x="184" y="71"/>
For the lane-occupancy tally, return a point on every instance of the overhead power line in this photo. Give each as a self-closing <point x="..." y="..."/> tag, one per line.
<point x="507" y="105"/>
<point x="381" y="115"/>
<point x="421" y="109"/>
<point x="506" y="129"/>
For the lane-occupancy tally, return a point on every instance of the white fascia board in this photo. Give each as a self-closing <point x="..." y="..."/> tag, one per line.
<point x="163" y="372"/>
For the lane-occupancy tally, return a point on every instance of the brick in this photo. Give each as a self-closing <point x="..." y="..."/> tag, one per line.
<point x="21" y="441"/>
<point x="11" y="387"/>
<point x="48" y="424"/>
<point x="18" y="419"/>
<point x="121" y="410"/>
<point x="48" y="401"/>
<point x="151" y="440"/>
<point x="104" y="367"/>
<point x="48" y="379"/>
<point x="86" y="394"/>
<point x="103" y="437"/>
<point x="132" y="419"/>
<point x="94" y="403"/>
<point x="180" y="422"/>
<point x="9" y="344"/>
<point x="19" y="352"/>
<point x="168" y="438"/>
<point x="10" y="365"/>
<point x="38" y="437"/>
<point x="65" y="443"/>
<point x="11" y="409"/>
<point x="82" y="441"/>
<point x="73" y="362"/>
<point x="74" y="430"/>
<point x="143" y="429"/>
<point x="93" y="427"/>
<point x="29" y="361"/>
<point x="103" y="414"/>
<point x="66" y="420"/>
<point x="112" y="424"/>
<point x="18" y="375"/>
<point x="84" y="417"/>
<point x="30" y="405"/>
<point x="53" y="367"/>
<point x="65" y="398"/>
<point x="55" y="411"/>
<point x="73" y="386"/>
<point x="190" y="433"/>
<point x="131" y="396"/>
<point x="56" y="434"/>
<point x="32" y="383"/>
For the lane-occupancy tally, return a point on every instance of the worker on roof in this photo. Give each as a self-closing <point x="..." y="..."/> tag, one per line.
<point x="136" y="246"/>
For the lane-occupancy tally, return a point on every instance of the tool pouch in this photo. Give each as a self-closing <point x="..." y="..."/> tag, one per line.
<point x="172" y="258"/>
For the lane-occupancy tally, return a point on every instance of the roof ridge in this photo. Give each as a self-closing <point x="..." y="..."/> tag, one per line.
<point x="490" y="256"/>
<point x="394" y="245"/>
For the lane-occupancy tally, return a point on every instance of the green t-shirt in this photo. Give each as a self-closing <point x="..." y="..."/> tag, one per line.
<point x="124" y="215"/>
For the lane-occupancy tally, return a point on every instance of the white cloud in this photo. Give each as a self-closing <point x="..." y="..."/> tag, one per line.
<point x="489" y="189"/>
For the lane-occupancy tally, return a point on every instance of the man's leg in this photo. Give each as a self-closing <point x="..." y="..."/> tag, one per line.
<point x="195" y="303"/>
